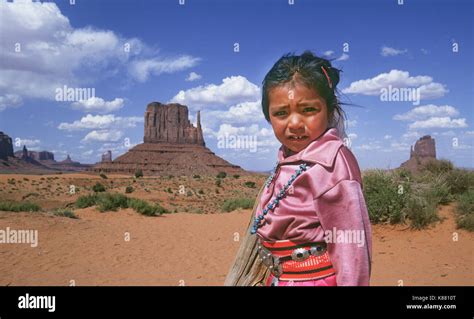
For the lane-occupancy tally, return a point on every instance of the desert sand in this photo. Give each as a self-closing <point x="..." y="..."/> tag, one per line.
<point x="187" y="249"/>
<point x="198" y="249"/>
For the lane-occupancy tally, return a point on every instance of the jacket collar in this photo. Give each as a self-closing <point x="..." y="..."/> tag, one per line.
<point x="322" y="150"/>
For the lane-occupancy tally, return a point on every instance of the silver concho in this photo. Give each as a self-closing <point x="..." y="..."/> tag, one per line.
<point x="299" y="254"/>
<point x="317" y="250"/>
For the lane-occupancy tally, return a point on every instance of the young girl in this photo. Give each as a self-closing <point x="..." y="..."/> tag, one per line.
<point x="311" y="220"/>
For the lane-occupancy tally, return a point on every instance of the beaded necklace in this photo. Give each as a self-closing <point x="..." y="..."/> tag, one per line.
<point x="270" y="207"/>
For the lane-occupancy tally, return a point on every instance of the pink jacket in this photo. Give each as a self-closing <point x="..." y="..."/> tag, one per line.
<point x="327" y="199"/>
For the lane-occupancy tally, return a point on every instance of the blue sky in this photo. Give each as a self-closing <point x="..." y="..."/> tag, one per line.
<point x="135" y="52"/>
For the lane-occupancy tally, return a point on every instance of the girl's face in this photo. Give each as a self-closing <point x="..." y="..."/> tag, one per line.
<point x="298" y="115"/>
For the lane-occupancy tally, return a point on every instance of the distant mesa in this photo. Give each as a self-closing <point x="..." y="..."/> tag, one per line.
<point x="32" y="161"/>
<point x="423" y="152"/>
<point x="172" y="146"/>
<point x="37" y="156"/>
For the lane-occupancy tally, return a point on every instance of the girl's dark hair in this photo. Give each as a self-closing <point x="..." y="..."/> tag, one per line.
<point x="306" y="69"/>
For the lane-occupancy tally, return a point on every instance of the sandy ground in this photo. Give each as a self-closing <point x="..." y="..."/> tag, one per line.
<point x="198" y="249"/>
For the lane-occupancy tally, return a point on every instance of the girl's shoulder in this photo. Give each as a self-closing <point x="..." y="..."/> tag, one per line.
<point x="343" y="166"/>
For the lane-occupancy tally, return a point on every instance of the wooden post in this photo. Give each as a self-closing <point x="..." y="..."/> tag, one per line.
<point x="247" y="268"/>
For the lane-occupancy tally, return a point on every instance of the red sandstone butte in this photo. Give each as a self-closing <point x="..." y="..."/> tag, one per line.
<point x="172" y="146"/>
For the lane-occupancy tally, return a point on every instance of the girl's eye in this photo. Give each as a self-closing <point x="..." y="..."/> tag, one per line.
<point x="279" y="113"/>
<point x="309" y="109"/>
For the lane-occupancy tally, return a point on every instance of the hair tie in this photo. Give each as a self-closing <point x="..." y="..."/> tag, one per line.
<point x="327" y="76"/>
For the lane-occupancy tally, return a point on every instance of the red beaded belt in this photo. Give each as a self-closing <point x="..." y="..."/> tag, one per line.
<point x="289" y="261"/>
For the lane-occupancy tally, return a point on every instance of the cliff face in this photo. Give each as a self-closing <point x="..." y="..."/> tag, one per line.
<point x="169" y="123"/>
<point x="6" y="146"/>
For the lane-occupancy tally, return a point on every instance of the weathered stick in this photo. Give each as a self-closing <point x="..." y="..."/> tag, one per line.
<point x="247" y="268"/>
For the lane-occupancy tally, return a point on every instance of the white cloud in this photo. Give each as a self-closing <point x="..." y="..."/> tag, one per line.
<point x="395" y="146"/>
<point x="397" y="79"/>
<point x="369" y="147"/>
<point x="142" y="69"/>
<point x="103" y="136"/>
<point x="10" y="100"/>
<point x="388" y="51"/>
<point x="94" y="122"/>
<point x="426" y="111"/>
<point x="352" y="136"/>
<point x="40" y="51"/>
<point x="265" y="137"/>
<point x="193" y="76"/>
<point x="411" y="135"/>
<point x="351" y="123"/>
<point x="242" y="113"/>
<point x="387" y="137"/>
<point x="328" y="53"/>
<point x="447" y="133"/>
<point x="97" y="104"/>
<point x="232" y="90"/>
<point x="343" y="57"/>
<point x="439" y="122"/>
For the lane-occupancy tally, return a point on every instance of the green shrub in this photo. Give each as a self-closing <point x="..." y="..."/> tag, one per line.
<point x="385" y="195"/>
<point x="219" y="182"/>
<point x="65" y="213"/>
<point x="236" y="176"/>
<point x="250" y="184"/>
<point x="11" y="206"/>
<point x="465" y="210"/>
<point x="146" y="209"/>
<point x="439" y="166"/>
<point x="459" y="180"/>
<point x="129" y="189"/>
<point x="232" y="204"/>
<point x="200" y="192"/>
<point x="221" y="175"/>
<point x="98" y="187"/>
<point x="189" y="193"/>
<point x="421" y="211"/>
<point x="196" y="176"/>
<point x="86" y="201"/>
<point x="114" y="201"/>
<point x="169" y="190"/>
<point x="103" y="175"/>
<point x="111" y="202"/>
<point x="440" y="192"/>
<point x="138" y="173"/>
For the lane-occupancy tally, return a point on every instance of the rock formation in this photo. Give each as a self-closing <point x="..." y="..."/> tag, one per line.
<point x="107" y="157"/>
<point x="38" y="156"/>
<point x="6" y="146"/>
<point x="169" y="123"/>
<point x="43" y="160"/>
<point x="172" y="146"/>
<point x="423" y="152"/>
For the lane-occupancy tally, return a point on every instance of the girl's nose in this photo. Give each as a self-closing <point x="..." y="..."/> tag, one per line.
<point x="295" y="122"/>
